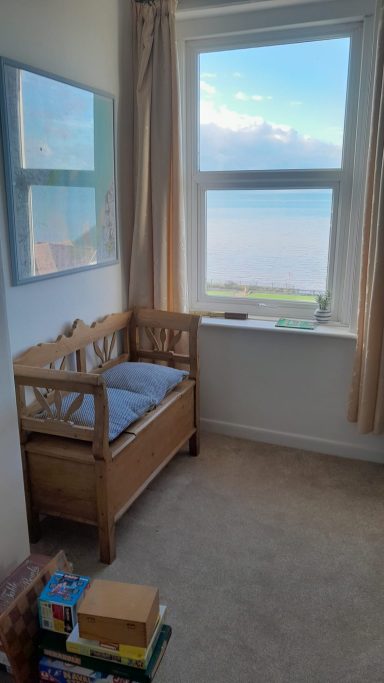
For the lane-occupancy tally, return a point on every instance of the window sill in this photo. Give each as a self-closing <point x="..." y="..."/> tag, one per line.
<point x="328" y="330"/>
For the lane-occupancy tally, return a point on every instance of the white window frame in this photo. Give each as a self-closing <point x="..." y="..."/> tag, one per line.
<point x="347" y="183"/>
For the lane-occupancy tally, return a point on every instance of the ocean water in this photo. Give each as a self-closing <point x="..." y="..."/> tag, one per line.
<point x="269" y="238"/>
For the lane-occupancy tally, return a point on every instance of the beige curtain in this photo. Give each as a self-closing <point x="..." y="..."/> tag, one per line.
<point x="366" y="405"/>
<point x="158" y="261"/>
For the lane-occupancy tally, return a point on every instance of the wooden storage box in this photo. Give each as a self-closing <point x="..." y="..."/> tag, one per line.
<point x="121" y="613"/>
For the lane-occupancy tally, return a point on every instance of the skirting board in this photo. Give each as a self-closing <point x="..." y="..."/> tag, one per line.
<point x="308" y="443"/>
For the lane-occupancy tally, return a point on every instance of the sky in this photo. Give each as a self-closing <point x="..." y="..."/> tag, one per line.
<point x="279" y="106"/>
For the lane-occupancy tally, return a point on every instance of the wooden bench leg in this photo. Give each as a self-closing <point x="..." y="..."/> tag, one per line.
<point x="105" y="516"/>
<point x="33" y="517"/>
<point x="34" y="526"/>
<point x="107" y="543"/>
<point x="194" y="443"/>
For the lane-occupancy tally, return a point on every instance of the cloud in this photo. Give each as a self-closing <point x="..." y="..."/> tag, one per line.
<point x="237" y="74"/>
<point x="233" y="141"/>
<point x="208" y="74"/>
<point x="241" y="96"/>
<point x="295" y="103"/>
<point x="207" y="88"/>
<point x="225" y="118"/>
<point x="222" y="117"/>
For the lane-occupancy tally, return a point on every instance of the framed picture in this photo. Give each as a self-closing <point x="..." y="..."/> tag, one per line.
<point x="58" y="143"/>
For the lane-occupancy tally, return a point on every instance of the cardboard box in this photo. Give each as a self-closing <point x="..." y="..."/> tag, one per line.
<point x="119" y="613"/>
<point x="59" y="600"/>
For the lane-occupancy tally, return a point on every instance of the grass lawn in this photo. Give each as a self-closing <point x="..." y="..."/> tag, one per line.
<point x="235" y="294"/>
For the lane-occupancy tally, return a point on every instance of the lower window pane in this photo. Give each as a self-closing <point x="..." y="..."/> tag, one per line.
<point x="268" y="244"/>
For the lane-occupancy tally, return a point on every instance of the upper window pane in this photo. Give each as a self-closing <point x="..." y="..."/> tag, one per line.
<point x="274" y="107"/>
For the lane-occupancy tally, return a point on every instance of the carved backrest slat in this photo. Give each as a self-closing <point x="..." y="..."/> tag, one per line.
<point x="152" y="338"/>
<point x="55" y="397"/>
<point x="105" y="354"/>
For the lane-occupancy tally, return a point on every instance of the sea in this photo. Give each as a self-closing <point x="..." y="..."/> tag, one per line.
<point x="273" y="239"/>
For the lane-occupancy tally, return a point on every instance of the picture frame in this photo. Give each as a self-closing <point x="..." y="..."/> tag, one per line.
<point x="60" y="176"/>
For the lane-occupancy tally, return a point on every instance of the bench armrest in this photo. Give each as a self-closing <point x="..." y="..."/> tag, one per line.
<point x="65" y="380"/>
<point x="59" y="424"/>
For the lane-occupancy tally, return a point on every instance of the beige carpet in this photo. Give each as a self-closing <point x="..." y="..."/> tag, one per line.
<point x="270" y="560"/>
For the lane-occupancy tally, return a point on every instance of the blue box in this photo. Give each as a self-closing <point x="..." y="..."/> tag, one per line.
<point x="59" y="600"/>
<point x="56" y="671"/>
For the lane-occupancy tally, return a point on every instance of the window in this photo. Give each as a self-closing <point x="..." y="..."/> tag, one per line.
<point x="271" y="121"/>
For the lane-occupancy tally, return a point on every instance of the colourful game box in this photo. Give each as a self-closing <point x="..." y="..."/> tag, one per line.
<point x="59" y="600"/>
<point x="55" y="671"/>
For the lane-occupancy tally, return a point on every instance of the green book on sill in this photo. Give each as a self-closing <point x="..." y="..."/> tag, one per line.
<point x="295" y="324"/>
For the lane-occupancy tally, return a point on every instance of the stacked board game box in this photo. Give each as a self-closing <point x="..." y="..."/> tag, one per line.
<point x="120" y="635"/>
<point x="59" y="601"/>
<point x="59" y="666"/>
<point x="127" y="655"/>
<point x="52" y="671"/>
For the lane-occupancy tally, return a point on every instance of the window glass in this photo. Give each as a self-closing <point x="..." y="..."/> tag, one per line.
<point x="270" y="244"/>
<point x="273" y="107"/>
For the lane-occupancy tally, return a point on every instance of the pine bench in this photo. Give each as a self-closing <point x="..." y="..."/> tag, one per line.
<point x="74" y="471"/>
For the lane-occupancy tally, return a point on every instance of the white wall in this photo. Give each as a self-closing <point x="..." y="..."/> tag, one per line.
<point x="87" y="41"/>
<point x="13" y="523"/>
<point x="78" y="40"/>
<point x="282" y="387"/>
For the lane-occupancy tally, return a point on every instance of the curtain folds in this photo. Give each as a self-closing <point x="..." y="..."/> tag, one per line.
<point x="366" y="405"/>
<point x="158" y="273"/>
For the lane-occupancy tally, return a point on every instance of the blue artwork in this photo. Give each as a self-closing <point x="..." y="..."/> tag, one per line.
<point x="60" y="174"/>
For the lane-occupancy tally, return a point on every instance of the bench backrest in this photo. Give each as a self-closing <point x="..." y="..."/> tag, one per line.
<point x="142" y="334"/>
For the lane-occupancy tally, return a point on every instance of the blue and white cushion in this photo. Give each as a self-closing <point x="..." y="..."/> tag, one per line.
<point x="125" y="407"/>
<point x="154" y="381"/>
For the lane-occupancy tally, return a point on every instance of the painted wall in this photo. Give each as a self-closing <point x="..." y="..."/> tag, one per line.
<point x="282" y="387"/>
<point x="13" y="522"/>
<point x="89" y="42"/>
<point x="79" y="41"/>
